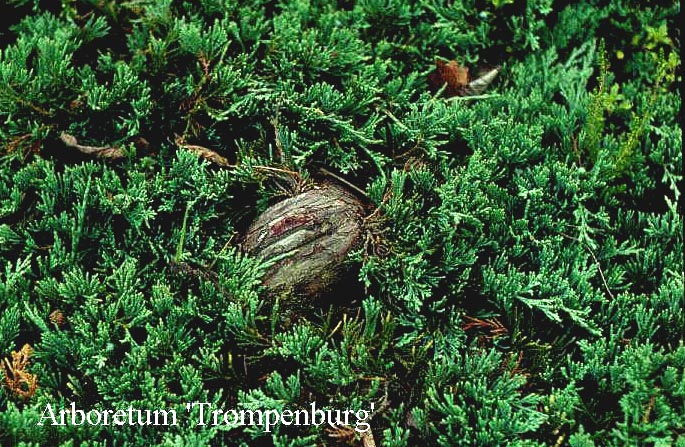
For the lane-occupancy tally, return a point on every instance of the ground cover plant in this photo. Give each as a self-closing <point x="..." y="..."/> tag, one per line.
<point x="520" y="281"/>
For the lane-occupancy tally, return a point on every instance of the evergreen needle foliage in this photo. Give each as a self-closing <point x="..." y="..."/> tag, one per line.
<point x="522" y="282"/>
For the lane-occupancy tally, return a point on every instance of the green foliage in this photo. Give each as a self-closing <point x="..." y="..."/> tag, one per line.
<point x="522" y="279"/>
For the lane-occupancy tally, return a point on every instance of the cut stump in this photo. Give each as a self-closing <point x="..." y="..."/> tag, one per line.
<point x="307" y="237"/>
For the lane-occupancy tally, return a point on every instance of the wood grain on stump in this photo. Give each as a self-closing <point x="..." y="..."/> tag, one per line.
<point x="308" y="237"/>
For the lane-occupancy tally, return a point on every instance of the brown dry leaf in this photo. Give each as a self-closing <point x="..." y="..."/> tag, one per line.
<point x="457" y="81"/>
<point x="451" y="73"/>
<point x="478" y="85"/>
<point x="17" y="378"/>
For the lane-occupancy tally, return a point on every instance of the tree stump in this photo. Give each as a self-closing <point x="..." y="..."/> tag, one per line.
<point x="308" y="238"/>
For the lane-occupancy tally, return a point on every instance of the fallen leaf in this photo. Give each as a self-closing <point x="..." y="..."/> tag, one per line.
<point x="451" y="73"/>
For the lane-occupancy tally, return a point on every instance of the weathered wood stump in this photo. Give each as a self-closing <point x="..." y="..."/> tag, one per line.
<point x="308" y="238"/>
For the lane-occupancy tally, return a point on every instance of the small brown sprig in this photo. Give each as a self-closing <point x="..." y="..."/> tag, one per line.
<point x="57" y="317"/>
<point x="17" y="379"/>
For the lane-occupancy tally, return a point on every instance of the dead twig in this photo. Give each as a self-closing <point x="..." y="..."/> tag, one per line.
<point x="207" y="154"/>
<point x="101" y="152"/>
<point x="214" y="157"/>
<point x="342" y="180"/>
<point x="277" y="137"/>
<point x="367" y="438"/>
